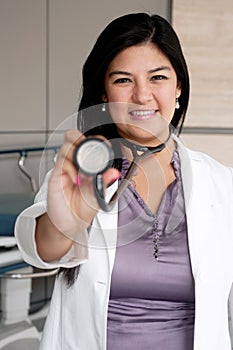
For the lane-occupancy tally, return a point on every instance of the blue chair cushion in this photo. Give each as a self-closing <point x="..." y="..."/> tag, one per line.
<point x="11" y="205"/>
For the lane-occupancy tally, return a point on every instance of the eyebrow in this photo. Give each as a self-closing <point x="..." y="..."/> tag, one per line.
<point x="158" y="69"/>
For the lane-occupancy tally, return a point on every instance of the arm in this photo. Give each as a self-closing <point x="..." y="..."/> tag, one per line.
<point x="230" y="301"/>
<point x="54" y="244"/>
<point x="230" y="312"/>
<point x="62" y="212"/>
<point x="25" y="233"/>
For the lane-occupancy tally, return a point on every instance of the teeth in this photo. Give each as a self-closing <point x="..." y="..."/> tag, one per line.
<point x="141" y="113"/>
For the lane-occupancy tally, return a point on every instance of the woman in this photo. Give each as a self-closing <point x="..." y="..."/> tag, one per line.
<point x="155" y="271"/>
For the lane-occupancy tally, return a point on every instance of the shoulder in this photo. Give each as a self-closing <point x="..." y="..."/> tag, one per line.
<point x="204" y="166"/>
<point x="205" y="158"/>
<point x="201" y="159"/>
<point x="217" y="177"/>
<point x="209" y="163"/>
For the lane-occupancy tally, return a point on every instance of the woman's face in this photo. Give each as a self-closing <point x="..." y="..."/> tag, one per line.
<point x="141" y="88"/>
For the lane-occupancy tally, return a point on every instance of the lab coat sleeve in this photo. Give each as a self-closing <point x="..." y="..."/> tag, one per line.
<point x="25" y="228"/>
<point x="230" y="309"/>
<point x="230" y="301"/>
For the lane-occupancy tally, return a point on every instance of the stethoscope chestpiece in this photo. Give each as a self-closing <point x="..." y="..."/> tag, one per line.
<point x="93" y="156"/>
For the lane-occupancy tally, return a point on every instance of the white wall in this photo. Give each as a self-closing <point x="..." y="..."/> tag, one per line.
<point x="43" y="46"/>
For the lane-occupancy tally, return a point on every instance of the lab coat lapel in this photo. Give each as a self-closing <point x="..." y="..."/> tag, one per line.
<point x="191" y="205"/>
<point x="108" y="222"/>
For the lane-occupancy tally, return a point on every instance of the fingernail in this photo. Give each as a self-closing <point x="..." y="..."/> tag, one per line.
<point x="78" y="180"/>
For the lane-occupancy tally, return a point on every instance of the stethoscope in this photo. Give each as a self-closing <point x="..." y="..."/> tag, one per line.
<point x="93" y="157"/>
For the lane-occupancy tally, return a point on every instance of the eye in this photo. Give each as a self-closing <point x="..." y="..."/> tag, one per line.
<point x="121" y="81"/>
<point x="159" y="77"/>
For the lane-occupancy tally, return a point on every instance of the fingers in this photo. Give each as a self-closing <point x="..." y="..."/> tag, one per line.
<point x="64" y="164"/>
<point x="65" y="161"/>
<point x="71" y="177"/>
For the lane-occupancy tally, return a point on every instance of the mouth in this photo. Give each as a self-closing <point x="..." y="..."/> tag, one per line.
<point x="146" y="114"/>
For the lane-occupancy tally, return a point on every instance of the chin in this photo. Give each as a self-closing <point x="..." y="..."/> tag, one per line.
<point x="149" y="137"/>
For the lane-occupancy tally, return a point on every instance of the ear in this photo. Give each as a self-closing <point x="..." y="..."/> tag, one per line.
<point x="178" y="89"/>
<point x="104" y="97"/>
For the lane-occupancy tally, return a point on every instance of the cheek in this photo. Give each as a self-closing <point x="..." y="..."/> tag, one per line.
<point x="116" y="94"/>
<point x="167" y="101"/>
<point x="168" y="94"/>
<point x="168" y="97"/>
<point x="118" y="111"/>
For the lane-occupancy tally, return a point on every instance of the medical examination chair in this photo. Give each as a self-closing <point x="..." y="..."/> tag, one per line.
<point x="17" y="329"/>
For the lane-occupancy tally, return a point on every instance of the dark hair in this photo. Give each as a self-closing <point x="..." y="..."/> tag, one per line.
<point x="121" y="33"/>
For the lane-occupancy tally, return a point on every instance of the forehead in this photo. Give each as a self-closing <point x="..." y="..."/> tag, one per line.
<point x="143" y="54"/>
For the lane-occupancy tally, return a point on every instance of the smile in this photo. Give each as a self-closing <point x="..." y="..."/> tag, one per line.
<point x="143" y="114"/>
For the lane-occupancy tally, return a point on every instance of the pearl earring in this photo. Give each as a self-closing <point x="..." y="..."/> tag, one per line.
<point x="104" y="108"/>
<point x="177" y="103"/>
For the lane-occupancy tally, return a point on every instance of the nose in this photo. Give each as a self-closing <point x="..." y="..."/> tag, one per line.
<point x="142" y="93"/>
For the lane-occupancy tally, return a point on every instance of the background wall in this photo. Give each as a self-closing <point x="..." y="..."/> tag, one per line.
<point x="45" y="42"/>
<point x="205" y="29"/>
<point x="43" y="46"/>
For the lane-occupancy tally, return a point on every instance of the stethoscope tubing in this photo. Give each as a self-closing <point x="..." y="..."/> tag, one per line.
<point x="137" y="158"/>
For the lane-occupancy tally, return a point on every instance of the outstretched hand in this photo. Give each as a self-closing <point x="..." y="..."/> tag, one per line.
<point x="72" y="204"/>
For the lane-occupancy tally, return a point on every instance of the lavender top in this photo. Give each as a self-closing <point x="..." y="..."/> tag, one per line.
<point x="152" y="298"/>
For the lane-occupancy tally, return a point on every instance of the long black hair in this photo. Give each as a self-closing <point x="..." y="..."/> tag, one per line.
<point x="121" y="33"/>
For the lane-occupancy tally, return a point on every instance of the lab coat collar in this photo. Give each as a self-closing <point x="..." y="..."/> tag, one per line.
<point x="190" y="204"/>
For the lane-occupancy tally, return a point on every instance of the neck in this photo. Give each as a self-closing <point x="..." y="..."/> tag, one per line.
<point x="156" y="149"/>
<point x="164" y="155"/>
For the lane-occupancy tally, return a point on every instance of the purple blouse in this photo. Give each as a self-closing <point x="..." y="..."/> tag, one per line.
<point x="152" y="301"/>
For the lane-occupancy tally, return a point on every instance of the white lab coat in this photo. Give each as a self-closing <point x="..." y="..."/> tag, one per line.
<point x="78" y="315"/>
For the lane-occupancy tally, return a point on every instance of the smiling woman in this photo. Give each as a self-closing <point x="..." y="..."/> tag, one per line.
<point x="143" y="80"/>
<point x="143" y="275"/>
